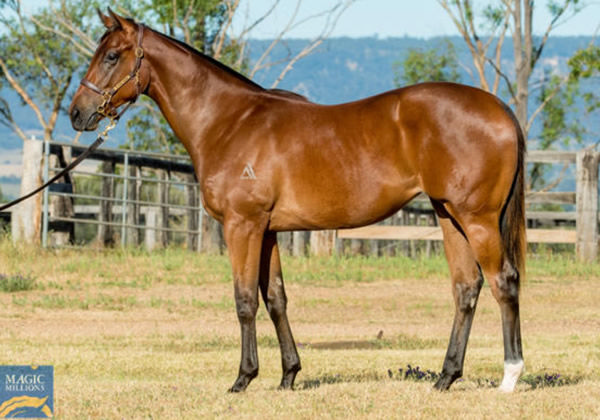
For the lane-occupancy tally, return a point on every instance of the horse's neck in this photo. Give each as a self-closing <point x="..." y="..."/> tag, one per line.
<point x="193" y="93"/>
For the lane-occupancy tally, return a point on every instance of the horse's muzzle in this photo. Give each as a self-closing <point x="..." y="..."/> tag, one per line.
<point x="83" y="120"/>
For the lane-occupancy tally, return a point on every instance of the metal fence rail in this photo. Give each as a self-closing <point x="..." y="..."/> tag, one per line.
<point x="125" y="200"/>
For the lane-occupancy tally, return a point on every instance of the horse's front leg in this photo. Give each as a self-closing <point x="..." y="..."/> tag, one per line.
<point x="273" y="291"/>
<point x="244" y="241"/>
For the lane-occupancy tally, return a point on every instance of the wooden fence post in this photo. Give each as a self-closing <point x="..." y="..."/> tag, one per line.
<point x="587" y="205"/>
<point x="191" y="200"/>
<point x="213" y="239"/>
<point x="133" y="209"/>
<point x="299" y="240"/>
<point x="151" y="235"/>
<point x="285" y="242"/>
<point x="163" y="212"/>
<point x="322" y="242"/>
<point x="61" y="206"/>
<point x="26" y="219"/>
<point x="105" y="232"/>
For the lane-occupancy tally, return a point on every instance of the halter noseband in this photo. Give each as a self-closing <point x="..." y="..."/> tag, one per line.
<point x="108" y="94"/>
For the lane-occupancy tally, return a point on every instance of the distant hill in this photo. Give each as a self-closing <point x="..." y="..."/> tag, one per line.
<point x="345" y="69"/>
<point x="340" y="70"/>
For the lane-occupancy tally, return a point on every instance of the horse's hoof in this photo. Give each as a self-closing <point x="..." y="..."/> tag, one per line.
<point x="285" y="387"/>
<point x="443" y="384"/>
<point x="238" y="386"/>
<point x="236" y="389"/>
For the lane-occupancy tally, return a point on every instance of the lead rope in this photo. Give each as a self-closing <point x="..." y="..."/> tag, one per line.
<point x="91" y="148"/>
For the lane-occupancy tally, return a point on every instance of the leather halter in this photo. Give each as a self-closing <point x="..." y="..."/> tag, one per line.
<point x="107" y="94"/>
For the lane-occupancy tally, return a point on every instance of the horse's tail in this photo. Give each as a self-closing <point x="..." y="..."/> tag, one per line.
<point x="512" y="223"/>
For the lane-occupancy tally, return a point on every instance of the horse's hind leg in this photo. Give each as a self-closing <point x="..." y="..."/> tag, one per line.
<point x="273" y="293"/>
<point x="466" y="284"/>
<point x="484" y="237"/>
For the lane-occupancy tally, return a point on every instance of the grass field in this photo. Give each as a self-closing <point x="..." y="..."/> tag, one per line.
<point x="136" y="335"/>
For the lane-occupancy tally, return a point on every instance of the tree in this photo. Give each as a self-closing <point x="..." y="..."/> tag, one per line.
<point x="36" y="64"/>
<point x="498" y="18"/>
<point x="39" y="66"/>
<point x="556" y="92"/>
<point x="428" y="65"/>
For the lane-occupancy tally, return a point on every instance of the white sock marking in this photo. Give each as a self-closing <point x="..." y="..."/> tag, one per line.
<point x="512" y="371"/>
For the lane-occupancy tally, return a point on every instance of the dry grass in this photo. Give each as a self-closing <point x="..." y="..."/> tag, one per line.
<point x="136" y="335"/>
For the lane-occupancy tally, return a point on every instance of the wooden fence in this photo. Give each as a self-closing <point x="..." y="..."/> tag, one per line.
<point x="120" y="213"/>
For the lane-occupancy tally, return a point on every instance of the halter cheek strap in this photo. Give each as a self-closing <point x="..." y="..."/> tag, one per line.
<point x="107" y="94"/>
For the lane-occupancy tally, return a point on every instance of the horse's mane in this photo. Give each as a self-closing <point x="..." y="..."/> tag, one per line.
<point x="288" y="94"/>
<point x="208" y="58"/>
<point x="229" y="70"/>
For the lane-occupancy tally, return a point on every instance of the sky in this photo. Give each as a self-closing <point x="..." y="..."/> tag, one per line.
<point x="385" y="18"/>
<point x="397" y="18"/>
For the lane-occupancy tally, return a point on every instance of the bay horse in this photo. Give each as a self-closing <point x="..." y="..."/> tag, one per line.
<point x="269" y="161"/>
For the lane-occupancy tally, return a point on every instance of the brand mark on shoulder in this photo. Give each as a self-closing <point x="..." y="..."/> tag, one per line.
<point x="248" y="172"/>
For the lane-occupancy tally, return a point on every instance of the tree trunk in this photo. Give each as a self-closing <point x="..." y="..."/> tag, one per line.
<point x="522" y="47"/>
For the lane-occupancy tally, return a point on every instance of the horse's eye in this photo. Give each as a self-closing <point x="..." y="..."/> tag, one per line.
<point x="112" y="56"/>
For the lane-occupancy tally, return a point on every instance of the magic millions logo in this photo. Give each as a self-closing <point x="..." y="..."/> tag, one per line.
<point x="26" y="391"/>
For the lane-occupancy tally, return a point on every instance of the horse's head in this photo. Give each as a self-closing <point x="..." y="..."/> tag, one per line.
<point x="115" y="75"/>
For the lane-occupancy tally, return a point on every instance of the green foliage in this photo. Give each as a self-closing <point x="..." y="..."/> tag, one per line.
<point x="431" y="65"/>
<point x="40" y="61"/>
<point x="585" y="64"/>
<point x="204" y="19"/>
<point x="559" y="98"/>
<point x="494" y="15"/>
<point x="16" y="283"/>
<point x="556" y="110"/>
<point x="557" y="8"/>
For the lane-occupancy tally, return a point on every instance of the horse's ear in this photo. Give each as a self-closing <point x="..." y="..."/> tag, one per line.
<point x="121" y="21"/>
<point x="108" y="21"/>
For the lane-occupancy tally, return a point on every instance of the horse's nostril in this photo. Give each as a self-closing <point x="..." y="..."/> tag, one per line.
<point x="74" y="114"/>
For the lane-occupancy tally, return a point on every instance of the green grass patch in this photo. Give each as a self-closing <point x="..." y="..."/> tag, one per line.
<point x="560" y="266"/>
<point x="138" y="269"/>
<point x="99" y="301"/>
<point x="16" y="283"/>
<point x="337" y="271"/>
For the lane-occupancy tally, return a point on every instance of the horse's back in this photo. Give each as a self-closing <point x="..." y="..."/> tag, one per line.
<point x="352" y="164"/>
